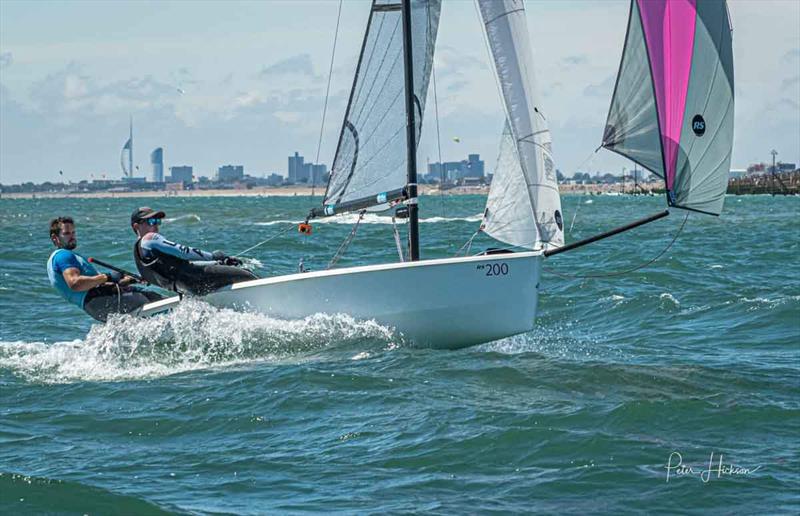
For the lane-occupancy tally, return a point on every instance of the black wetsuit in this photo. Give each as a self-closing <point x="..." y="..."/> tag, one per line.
<point x="169" y="266"/>
<point x="105" y="300"/>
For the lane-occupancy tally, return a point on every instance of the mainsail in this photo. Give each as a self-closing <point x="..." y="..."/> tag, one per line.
<point x="370" y="163"/>
<point x="672" y="109"/>
<point x="524" y="206"/>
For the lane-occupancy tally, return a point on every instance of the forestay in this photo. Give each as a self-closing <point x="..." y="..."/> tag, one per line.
<point x="672" y="109"/>
<point x="524" y="206"/>
<point x="370" y="163"/>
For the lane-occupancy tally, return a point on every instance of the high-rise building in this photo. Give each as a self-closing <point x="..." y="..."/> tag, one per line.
<point x="274" y="180"/>
<point x="230" y="173"/>
<point x="297" y="169"/>
<point x="452" y="171"/>
<point x="157" y="160"/>
<point x="473" y="166"/>
<point x="180" y="174"/>
<point x="319" y="174"/>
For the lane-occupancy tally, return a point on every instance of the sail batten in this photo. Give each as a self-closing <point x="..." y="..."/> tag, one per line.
<point x="524" y="207"/>
<point x="672" y="108"/>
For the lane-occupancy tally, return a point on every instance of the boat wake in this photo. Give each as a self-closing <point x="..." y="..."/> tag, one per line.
<point x="371" y="218"/>
<point x="193" y="336"/>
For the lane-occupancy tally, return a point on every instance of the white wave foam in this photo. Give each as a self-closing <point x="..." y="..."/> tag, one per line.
<point x="758" y="302"/>
<point x="669" y="301"/>
<point x="190" y="217"/>
<point x="371" y="218"/>
<point x="615" y="298"/>
<point x="194" y="336"/>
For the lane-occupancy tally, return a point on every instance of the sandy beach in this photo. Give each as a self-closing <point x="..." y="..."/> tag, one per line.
<point x="290" y="191"/>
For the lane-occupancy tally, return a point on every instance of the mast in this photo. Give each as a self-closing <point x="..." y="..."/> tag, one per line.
<point x="411" y="146"/>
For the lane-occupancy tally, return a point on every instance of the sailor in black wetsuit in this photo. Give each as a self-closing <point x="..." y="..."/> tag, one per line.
<point x="177" y="267"/>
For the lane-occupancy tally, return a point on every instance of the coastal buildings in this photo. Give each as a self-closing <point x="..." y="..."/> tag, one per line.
<point x="180" y="174"/>
<point x="301" y="172"/>
<point x="230" y="173"/>
<point x="456" y="171"/>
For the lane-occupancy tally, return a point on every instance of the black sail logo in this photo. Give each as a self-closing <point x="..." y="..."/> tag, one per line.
<point x="698" y="125"/>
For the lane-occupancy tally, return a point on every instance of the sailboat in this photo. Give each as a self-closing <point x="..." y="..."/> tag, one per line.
<point x="463" y="301"/>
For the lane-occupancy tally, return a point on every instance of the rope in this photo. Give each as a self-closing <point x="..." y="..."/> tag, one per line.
<point x="468" y="244"/>
<point x="276" y="235"/>
<point x="587" y="159"/>
<point x="575" y="216"/>
<point x="347" y="241"/>
<point x="327" y="94"/>
<point x="397" y="240"/>
<point x="628" y="271"/>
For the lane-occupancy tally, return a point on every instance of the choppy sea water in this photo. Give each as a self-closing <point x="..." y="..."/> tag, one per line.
<point x="211" y="411"/>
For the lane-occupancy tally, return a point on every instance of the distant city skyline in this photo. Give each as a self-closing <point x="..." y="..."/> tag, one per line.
<point x="252" y="89"/>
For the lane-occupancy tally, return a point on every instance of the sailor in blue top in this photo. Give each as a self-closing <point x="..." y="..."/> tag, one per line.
<point x="79" y="282"/>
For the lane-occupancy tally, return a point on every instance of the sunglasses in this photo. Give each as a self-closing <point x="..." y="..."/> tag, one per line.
<point x="153" y="221"/>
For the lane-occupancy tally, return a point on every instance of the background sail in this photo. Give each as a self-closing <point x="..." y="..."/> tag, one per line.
<point x="370" y="158"/>
<point x="672" y="110"/>
<point x="125" y="156"/>
<point x="525" y="174"/>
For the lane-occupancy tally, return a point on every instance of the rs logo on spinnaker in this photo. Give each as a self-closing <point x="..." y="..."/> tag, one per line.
<point x="699" y="125"/>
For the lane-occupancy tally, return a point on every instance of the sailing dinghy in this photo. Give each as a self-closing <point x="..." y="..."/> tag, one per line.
<point x="463" y="301"/>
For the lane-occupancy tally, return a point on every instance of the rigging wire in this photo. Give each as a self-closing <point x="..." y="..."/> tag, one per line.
<point x="627" y="271"/>
<point x="347" y="241"/>
<point x="438" y="131"/>
<point x="327" y="95"/>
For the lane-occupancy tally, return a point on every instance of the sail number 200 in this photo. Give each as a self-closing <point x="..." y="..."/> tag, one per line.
<point x="494" y="269"/>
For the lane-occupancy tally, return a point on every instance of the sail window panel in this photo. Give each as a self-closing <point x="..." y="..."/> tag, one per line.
<point x="705" y="152"/>
<point x="371" y="156"/>
<point x="632" y="128"/>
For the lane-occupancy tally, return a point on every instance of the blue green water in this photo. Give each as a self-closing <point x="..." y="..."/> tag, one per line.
<point x="210" y="411"/>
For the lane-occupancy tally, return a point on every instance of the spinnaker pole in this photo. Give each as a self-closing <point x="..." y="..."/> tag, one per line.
<point x="606" y="234"/>
<point x="411" y="136"/>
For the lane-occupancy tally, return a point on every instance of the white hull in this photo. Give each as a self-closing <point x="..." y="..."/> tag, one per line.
<point x="447" y="303"/>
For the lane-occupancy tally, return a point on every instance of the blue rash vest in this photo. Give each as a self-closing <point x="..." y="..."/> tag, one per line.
<point x="61" y="260"/>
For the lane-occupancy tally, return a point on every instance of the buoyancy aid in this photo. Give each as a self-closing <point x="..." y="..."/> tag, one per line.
<point x="185" y="277"/>
<point x="168" y="272"/>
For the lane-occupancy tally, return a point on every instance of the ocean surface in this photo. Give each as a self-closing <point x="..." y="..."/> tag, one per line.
<point x="625" y="398"/>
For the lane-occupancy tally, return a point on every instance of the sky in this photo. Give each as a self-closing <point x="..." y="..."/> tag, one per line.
<point x="244" y="83"/>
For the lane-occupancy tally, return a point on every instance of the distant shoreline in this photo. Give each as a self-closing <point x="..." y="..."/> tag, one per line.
<point x="292" y="191"/>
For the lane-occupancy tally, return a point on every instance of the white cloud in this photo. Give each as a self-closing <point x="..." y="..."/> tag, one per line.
<point x="295" y="65"/>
